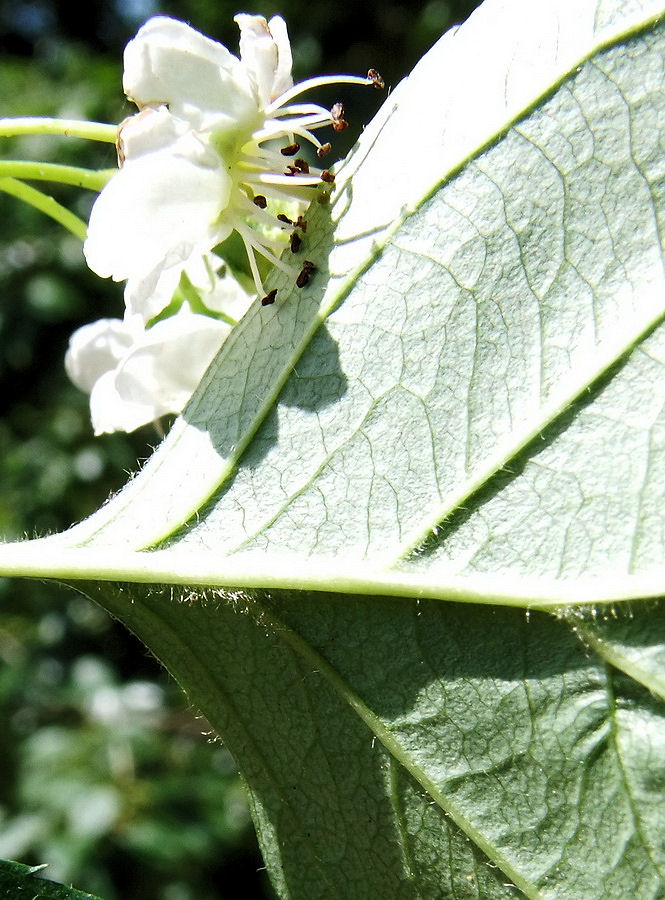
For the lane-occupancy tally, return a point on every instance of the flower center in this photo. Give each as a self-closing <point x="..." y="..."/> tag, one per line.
<point x="267" y="175"/>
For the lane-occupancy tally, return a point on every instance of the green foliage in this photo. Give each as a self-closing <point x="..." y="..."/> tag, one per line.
<point x="18" y="881"/>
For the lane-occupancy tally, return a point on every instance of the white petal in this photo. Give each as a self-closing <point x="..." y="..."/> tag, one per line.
<point x="203" y="271"/>
<point x="158" y="374"/>
<point x="160" y="207"/>
<point x="149" y="130"/>
<point x="95" y="349"/>
<point x="225" y="295"/>
<point x="149" y="295"/>
<point x="168" y="62"/>
<point x="169" y="362"/>
<point x="265" y="55"/>
<point x="110" y="412"/>
<point x="283" y="80"/>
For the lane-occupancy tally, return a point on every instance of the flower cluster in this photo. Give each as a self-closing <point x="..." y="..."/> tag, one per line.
<point x="135" y="373"/>
<point x="214" y="149"/>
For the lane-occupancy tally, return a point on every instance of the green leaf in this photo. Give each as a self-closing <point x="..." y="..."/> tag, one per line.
<point x="466" y="404"/>
<point x="19" y="882"/>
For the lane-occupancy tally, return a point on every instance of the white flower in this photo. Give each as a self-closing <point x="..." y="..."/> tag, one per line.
<point x="194" y="160"/>
<point x="136" y="374"/>
<point x="196" y="163"/>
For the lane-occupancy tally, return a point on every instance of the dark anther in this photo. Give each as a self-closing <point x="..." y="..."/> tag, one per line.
<point x="301" y="224"/>
<point x="285" y="219"/>
<point x="323" y="150"/>
<point x="376" y="79"/>
<point x="337" y="115"/>
<point x="293" y="148"/>
<point x="260" y="201"/>
<point x="327" y="176"/>
<point x="295" y="242"/>
<point x="269" y="297"/>
<point x="308" y="269"/>
<point x="299" y="167"/>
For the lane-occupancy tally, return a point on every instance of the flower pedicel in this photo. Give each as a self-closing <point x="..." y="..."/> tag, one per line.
<point x="195" y="163"/>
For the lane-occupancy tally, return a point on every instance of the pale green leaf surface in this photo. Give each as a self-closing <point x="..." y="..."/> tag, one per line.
<point x="521" y="317"/>
<point x="466" y="404"/>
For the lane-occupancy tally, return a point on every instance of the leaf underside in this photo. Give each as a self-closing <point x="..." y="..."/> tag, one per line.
<point x="474" y="385"/>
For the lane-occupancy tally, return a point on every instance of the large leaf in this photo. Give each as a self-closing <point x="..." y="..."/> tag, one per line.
<point x="466" y="405"/>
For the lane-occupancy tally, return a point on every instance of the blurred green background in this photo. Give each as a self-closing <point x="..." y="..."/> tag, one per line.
<point x="105" y="772"/>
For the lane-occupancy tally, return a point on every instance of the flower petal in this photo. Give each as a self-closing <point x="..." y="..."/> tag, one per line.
<point x="95" y="349"/>
<point x="170" y="360"/>
<point x="158" y="374"/>
<point x="224" y="295"/>
<point x="201" y="81"/>
<point x="283" y="80"/>
<point x="266" y="54"/>
<point x="159" y="209"/>
<point x="148" y="295"/>
<point x="110" y="412"/>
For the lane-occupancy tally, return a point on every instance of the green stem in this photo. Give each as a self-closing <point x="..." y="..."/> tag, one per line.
<point x="94" y="131"/>
<point x="46" y="204"/>
<point x="94" y="180"/>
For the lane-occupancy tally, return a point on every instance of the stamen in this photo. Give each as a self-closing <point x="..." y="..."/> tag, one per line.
<point x="247" y="233"/>
<point x="376" y="79"/>
<point x="290" y="190"/>
<point x="249" y="250"/>
<point x="337" y="115"/>
<point x="265" y="178"/>
<point x="263" y="167"/>
<point x="301" y="127"/>
<point x="299" y="167"/>
<point x="311" y="83"/>
<point x="260" y="215"/>
<point x="261" y="158"/>
<point x="314" y="120"/>
<point x="300" y="109"/>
